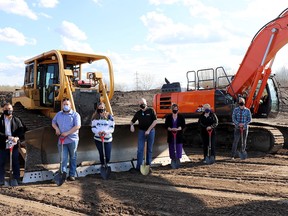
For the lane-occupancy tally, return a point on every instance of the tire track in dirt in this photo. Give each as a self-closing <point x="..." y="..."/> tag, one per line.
<point x="35" y="208"/>
<point x="207" y="192"/>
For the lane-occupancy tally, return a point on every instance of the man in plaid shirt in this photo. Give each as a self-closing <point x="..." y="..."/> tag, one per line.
<point x="241" y="117"/>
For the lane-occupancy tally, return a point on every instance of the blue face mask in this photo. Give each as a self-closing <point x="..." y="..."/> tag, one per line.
<point x="207" y="110"/>
<point x="66" y="108"/>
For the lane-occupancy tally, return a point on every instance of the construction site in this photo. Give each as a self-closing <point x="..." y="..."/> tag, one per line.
<point x="257" y="185"/>
<point x="252" y="185"/>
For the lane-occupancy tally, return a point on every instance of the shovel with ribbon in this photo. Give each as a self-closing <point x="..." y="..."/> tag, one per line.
<point x="12" y="182"/>
<point x="209" y="158"/>
<point x="242" y="153"/>
<point x="60" y="176"/>
<point x="175" y="162"/>
<point x="144" y="168"/>
<point x="105" y="170"/>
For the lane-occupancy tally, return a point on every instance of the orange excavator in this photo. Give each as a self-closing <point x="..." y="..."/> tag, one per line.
<point x="253" y="81"/>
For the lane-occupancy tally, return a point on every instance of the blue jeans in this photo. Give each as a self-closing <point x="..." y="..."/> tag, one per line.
<point x="237" y="137"/>
<point x="4" y="154"/>
<point x="71" y="150"/>
<point x="107" y="149"/>
<point x="141" y="143"/>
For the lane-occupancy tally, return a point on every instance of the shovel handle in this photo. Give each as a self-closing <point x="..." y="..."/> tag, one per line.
<point x="174" y="133"/>
<point x="210" y="132"/>
<point x="241" y="129"/>
<point x="102" y="135"/>
<point x="62" y="139"/>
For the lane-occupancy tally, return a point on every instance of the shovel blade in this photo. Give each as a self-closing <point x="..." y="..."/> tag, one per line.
<point x="175" y="163"/>
<point x="105" y="172"/>
<point x="210" y="159"/>
<point x="60" y="178"/>
<point x="13" y="182"/>
<point x="144" y="169"/>
<point x="243" y="155"/>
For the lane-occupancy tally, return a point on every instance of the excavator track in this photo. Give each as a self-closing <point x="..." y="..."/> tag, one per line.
<point x="262" y="137"/>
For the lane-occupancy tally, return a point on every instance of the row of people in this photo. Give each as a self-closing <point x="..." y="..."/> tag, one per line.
<point x="67" y="123"/>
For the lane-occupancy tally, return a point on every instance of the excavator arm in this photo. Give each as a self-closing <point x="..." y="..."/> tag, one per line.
<point x="254" y="69"/>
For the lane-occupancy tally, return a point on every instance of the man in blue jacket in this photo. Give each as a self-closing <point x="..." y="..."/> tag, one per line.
<point x="241" y="118"/>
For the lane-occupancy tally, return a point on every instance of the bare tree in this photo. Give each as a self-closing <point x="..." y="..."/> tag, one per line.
<point x="282" y="76"/>
<point x="146" y="81"/>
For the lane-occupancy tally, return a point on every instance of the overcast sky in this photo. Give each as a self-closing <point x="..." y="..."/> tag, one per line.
<point x="164" y="38"/>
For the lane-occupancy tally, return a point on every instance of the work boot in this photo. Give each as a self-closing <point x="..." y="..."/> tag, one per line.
<point x="71" y="178"/>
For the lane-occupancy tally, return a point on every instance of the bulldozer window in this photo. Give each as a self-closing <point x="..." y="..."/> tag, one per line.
<point x="48" y="77"/>
<point x="29" y="76"/>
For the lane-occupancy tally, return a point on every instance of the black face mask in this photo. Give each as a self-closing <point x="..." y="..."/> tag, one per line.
<point x="174" y="111"/>
<point x="8" y="112"/>
<point x="241" y="104"/>
<point x="100" y="110"/>
<point x="142" y="106"/>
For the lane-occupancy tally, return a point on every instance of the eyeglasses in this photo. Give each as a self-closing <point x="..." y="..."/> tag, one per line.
<point x="65" y="99"/>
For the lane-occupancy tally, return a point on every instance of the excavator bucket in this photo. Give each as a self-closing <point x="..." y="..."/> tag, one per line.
<point x="42" y="157"/>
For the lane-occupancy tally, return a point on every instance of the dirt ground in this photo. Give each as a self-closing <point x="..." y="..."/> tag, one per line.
<point x="255" y="186"/>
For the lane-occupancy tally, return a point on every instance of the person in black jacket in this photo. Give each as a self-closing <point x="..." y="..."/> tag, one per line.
<point x="12" y="129"/>
<point x="208" y="121"/>
<point x="175" y="123"/>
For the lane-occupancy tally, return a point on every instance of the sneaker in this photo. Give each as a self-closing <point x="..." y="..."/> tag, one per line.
<point x="232" y="158"/>
<point x="2" y="183"/>
<point x="71" y="178"/>
<point x="204" y="161"/>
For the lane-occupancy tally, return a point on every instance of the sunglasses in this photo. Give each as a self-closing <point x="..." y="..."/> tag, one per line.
<point x="65" y="99"/>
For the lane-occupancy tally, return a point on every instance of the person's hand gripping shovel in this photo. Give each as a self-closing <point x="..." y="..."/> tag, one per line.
<point x="144" y="168"/>
<point x="175" y="162"/>
<point x="12" y="182"/>
<point x="60" y="176"/>
<point x="242" y="153"/>
<point x="105" y="170"/>
<point x="209" y="159"/>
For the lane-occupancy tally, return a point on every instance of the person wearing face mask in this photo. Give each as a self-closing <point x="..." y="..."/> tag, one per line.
<point x="175" y="123"/>
<point x="103" y="124"/>
<point x="241" y="118"/>
<point x="11" y="128"/>
<point x="147" y="120"/>
<point x="67" y="123"/>
<point x="208" y="121"/>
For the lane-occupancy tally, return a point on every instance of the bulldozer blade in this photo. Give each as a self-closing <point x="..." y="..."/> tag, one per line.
<point x="42" y="152"/>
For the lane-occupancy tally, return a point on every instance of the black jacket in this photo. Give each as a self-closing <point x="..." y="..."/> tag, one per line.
<point x="17" y="130"/>
<point x="169" y="123"/>
<point x="204" y="122"/>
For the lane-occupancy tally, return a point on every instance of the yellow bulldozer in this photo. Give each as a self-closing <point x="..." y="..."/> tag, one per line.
<point x="57" y="74"/>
